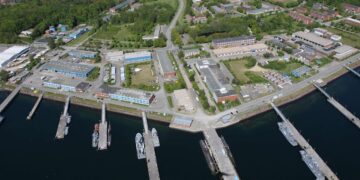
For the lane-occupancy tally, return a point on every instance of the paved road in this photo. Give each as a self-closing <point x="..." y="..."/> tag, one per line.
<point x="172" y="25"/>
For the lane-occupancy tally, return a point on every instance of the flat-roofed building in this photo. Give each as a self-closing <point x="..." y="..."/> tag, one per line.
<point x="233" y="41"/>
<point x="82" y="54"/>
<point x="69" y="69"/>
<point x="60" y="84"/>
<point x="11" y="54"/>
<point x="139" y="56"/>
<point x="218" y="84"/>
<point x="166" y="66"/>
<point x="133" y="96"/>
<point x="344" y="51"/>
<point x="313" y="39"/>
<point x="191" y="52"/>
<point x="241" y="50"/>
<point x="114" y="56"/>
<point x="301" y="18"/>
<point x="183" y="100"/>
<point x="179" y="121"/>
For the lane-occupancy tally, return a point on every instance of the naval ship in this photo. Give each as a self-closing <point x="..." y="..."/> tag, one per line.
<point x="312" y="164"/>
<point x="140" y="146"/>
<point x="155" y="137"/>
<point x="287" y="133"/>
<point x="95" y="136"/>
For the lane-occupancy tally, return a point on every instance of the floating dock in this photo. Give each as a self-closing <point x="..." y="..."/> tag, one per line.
<point x="323" y="167"/>
<point x="35" y="106"/>
<point x="8" y="99"/>
<point x="153" y="169"/>
<point x="103" y="130"/>
<point x="64" y="121"/>
<point x="352" y="70"/>
<point x="219" y="153"/>
<point x="339" y="107"/>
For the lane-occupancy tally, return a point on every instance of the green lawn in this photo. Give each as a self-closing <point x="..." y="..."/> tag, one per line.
<point x="173" y="3"/>
<point x="145" y="76"/>
<point x="347" y="38"/>
<point x="80" y="39"/>
<point x="119" y="32"/>
<point x="283" y="67"/>
<point x="240" y="70"/>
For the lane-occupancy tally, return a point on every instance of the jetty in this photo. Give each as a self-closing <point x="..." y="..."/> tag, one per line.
<point x="355" y="120"/>
<point x="9" y="98"/>
<point x="65" y="119"/>
<point x="103" y="130"/>
<point x="153" y="169"/>
<point x="352" y="70"/>
<point x="35" y="106"/>
<point x="218" y="155"/>
<point x="323" y="167"/>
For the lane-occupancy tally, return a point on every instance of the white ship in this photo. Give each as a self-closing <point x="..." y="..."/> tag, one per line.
<point x="140" y="146"/>
<point x="155" y="137"/>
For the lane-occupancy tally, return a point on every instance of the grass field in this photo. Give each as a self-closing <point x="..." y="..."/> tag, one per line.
<point x="119" y="32"/>
<point x="242" y="73"/>
<point x="347" y="38"/>
<point x="283" y="67"/>
<point x="173" y="3"/>
<point x="80" y="39"/>
<point x="145" y="76"/>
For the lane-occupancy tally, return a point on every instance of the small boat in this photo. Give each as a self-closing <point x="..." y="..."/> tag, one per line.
<point x="140" y="146"/>
<point x="109" y="135"/>
<point x="1" y="119"/>
<point x="95" y="139"/>
<point x="66" y="130"/>
<point x="155" y="137"/>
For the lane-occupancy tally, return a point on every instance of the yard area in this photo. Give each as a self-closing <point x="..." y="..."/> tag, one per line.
<point x="347" y="38"/>
<point x="145" y="76"/>
<point x="240" y="70"/>
<point x="141" y="76"/>
<point x="283" y="67"/>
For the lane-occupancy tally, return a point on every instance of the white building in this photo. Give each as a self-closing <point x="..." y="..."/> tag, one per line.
<point x="11" y="54"/>
<point x="240" y="50"/>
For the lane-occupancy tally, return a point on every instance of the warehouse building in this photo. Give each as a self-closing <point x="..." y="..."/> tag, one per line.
<point x="82" y="54"/>
<point x="69" y="69"/>
<point x="139" y="56"/>
<point x="11" y="54"/>
<point x="132" y="96"/>
<point x="78" y="33"/>
<point x="313" y="39"/>
<point x="166" y="67"/>
<point x="240" y="50"/>
<point x="233" y="41"/>
<point x="183" y="100"/>
<point x="60" y="84"/>
<point x="218" y="84"/>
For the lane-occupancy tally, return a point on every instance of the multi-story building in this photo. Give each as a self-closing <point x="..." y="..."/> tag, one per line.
<point x="325" y="15"/>
<point x="351" y="8"/>
<point x="301" y="18"/>
<point x="233" y="41"/>
<point x="133" y="96"/>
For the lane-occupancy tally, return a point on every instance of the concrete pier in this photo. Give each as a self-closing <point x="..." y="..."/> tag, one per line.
<point x="8" y="99"/>
<point x="352" y="70"/>
<point x="35" y="106"/>
<point x="324" y="168"/>
<point x="355" y="120"/>
<point x="103" y="130"/>
<point x="218" y="152"/>
<point x="64" y="120"/>
<point x="153" y="169"/>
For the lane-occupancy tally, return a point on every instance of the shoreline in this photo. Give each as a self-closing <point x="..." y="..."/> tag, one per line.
<point x="159" y="118"/>
<point x="290" y="98"/>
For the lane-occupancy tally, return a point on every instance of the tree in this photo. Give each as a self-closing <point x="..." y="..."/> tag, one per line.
<point x="51" y="43"/>
<point x="4" y="76"/>
<point x="98" y="57"/>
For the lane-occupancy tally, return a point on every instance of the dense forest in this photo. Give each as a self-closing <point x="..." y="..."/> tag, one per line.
<point x="146" y="17"/>
<point x="39" y="14"/>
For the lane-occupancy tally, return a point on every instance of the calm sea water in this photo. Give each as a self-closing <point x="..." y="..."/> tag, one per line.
<point x="28" y="149"/>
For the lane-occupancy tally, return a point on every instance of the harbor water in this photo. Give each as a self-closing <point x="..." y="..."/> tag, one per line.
<point x="29" y="150"/>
